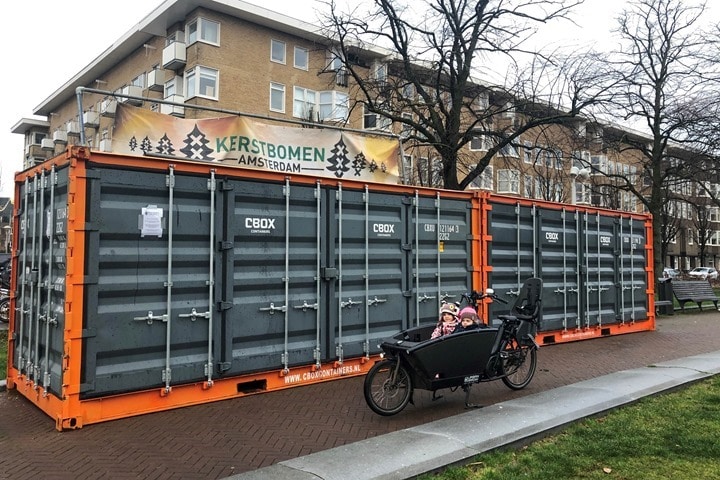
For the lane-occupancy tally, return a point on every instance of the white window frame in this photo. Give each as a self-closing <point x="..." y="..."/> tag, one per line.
<point x="174" y="86"/>
<point x="334" y="61"/>
<point x="508" y="150"/>
<point x="196" y="80"/>
<point x="379" y="122"/>
<point x="380" y="73"/>
<point x="338" y="102"/>
<point x="528" y="186"/>
<point x="305" y="101"/>
<point x="138" y="81"/>
<point x="275" y="90"/>
<point x="201" y="33"/>
<point x="508" y="181"/>
<point x="484" y="181"/>
<point x="478" y="143"/>
<point x="298" y="55"/>
<point x="279" y="44"/>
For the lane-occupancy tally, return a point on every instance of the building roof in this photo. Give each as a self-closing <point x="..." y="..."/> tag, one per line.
<point x="25" y="124"/>
<point x="156" y="23"/>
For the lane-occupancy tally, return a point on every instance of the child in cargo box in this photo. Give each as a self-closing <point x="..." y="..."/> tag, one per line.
<point x="469" y="320"/>
<point x="448" y="321"/>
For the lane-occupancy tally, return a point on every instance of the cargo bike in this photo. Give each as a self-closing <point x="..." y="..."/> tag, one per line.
<point x="412" y="360"/>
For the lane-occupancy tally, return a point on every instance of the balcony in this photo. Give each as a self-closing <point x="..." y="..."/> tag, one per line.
<point x="91" y="119"/>
<point x="175" y="110"/>
<point x="108" y="107"/>
<point x="156" y="80"/>
<point x="134" y="91"/>
<point x="60" y="136"/>
<point x="174" y="56"/>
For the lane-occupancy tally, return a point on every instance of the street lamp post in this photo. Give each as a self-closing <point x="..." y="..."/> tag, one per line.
<point x="576" y="172"/>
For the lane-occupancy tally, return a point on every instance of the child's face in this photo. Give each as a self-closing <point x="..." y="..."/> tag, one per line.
<point x="448" y="317"/>
<point x="467" y="321"/>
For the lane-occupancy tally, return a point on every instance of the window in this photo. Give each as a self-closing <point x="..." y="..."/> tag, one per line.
<point x="508" y="181"/>
<point x="304" y="101"/>
<point x="36" y="138"/>
<point x="408" y="91"/>
<point x="600" y="164"/>
<point x="333" y="105"/>
<point x="202" y="82"/>
<point x="277" y="97"/>
<point x="527" y="152"/>
<point x="478" y="143"/>
<point x="558" y="158"/>
<point x="173" y="87"/>
<point x="690" y="236"/>
<point x="302" y="58"/>
<point x="203" y="30"/>
<point x="528" y="186"/>
<point x="374" y="121"/>
<point x="406" y="128"/>
<point x="176" y="36"/>
<point x="380" y="73"/>
<point x="138" y="81"/>
<point x="277" y="51"/>
<point x="334" y="60"/>
<point x="484" y="181"/>
<point x="508" y="150"/>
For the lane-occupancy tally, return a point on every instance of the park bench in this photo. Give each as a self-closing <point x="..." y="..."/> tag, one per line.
<point x="697" y="291"/>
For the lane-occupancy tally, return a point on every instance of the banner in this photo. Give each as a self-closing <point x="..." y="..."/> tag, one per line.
<point x="247" y="143"/>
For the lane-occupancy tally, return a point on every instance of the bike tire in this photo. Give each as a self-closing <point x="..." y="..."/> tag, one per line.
<point x="518" y="364"/>
<point x="385" y="393"/>
<point x="5" y="311"/>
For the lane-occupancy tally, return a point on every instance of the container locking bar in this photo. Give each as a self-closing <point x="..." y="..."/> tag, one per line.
<point x="194" y="315"/>
<point x="349" y="303"/>
<point x="306" y="306"/>
<point x="272" y="309"/>
<point x="150" y="318"/>
<point x="375" y="301"/>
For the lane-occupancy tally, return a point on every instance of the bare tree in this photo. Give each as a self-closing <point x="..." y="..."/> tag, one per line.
<point x="426" y="78"/>
<point x="663" y="74"/>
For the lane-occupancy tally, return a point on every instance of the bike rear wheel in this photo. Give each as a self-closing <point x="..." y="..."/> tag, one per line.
<point x="518" y="363"/>
<point x="387" y="387"/>
<point x="5" y="310"/>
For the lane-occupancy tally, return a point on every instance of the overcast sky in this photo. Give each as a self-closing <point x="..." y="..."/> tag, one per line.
<point x="49" y="41"/>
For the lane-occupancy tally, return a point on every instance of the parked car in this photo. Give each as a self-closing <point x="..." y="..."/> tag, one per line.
<point x="670" y="272"/>
<point x="705" y="273"/>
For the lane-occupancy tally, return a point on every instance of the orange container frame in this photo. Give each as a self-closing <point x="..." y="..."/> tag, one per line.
<point x="70" y="411"/>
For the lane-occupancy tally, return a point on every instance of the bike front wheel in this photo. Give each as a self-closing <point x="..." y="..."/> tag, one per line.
<point x="387" y="387"/>
<point x="518" y="363"/>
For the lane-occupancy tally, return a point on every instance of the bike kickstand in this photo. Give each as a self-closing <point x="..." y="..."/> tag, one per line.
<point x="435" y="397"/>
<point x="466" y="388"/>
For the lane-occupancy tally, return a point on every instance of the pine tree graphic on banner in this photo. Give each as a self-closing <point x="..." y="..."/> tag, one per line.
<point x="359" y="164"/>
<point x="165" y="146"/>
<point x="146" y="145"/>
<point x="133" y="143"/>
<point x="196" y="146"/>
<point x="339" y="160"/>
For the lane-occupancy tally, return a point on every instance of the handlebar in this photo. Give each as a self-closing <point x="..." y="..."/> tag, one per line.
<point x="473" y="297"/>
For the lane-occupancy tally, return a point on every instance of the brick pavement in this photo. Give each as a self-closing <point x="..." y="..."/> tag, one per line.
<point x="228" y="437"/>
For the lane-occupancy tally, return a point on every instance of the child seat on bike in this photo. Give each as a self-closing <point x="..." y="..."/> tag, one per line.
<point x="527" y="304"/>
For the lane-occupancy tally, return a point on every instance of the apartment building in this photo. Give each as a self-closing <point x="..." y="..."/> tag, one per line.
<point x="197" y="59"/>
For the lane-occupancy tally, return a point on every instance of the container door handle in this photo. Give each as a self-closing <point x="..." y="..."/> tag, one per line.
<point x="425" y="298"/>
<point x="150" y="318"/>
<point x="349" y="303"/>
<point x="194" y="315"/>
<point x="306" y="306"/>
<point x="272" y="309"/>
<point x="375" y="301"/>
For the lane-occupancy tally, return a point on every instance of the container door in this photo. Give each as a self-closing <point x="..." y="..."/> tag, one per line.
<point x="149" y="263"/>
<point x="40" y="289"/>
<point x="441" y="267"/>
<point x="600" y="285"/>
<point x="559" y="267"/>
<point x="632" y="276"/>
<point x="271" y="284"/>
<point x="366" y="300"/>
<point x="511" y="253"/>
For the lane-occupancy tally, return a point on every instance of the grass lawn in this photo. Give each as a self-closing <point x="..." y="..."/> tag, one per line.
<point x="671" y="436"/>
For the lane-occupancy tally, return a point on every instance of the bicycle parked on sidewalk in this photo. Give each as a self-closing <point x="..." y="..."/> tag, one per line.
<point x="459" y="360"/>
